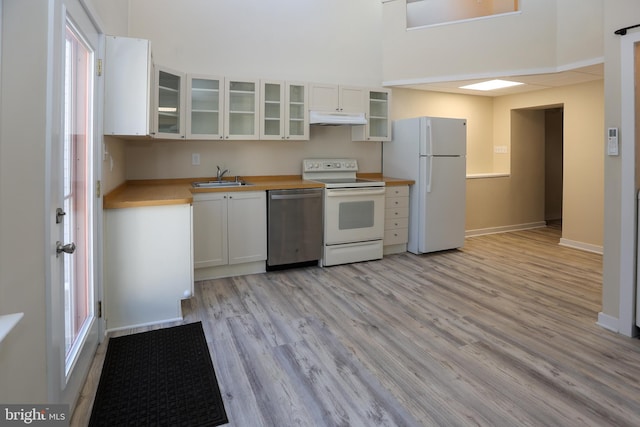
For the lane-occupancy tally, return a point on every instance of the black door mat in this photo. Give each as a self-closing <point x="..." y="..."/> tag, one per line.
<point x="159" y="378"/>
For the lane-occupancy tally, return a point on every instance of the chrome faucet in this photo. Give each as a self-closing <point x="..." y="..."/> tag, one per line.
<point x="221" y="173"/>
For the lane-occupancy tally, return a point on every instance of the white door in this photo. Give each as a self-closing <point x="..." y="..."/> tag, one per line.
<point x="75" y="211"/>
<point x="444" y="137"/>
<point x="442" y="204"/>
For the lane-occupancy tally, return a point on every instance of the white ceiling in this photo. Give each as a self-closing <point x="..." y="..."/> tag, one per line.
<point x="532" y="82"/>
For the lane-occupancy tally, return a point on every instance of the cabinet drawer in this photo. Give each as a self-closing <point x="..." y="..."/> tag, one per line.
<point x="395" y="223"/>
<point x="397" y="213"/>
<point x="395" y="237"/>
<point x="396" y="202"/>
<point x="397" y="191"/>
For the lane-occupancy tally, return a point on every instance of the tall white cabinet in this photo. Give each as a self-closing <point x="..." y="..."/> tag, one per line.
<point x="128" y="74"/>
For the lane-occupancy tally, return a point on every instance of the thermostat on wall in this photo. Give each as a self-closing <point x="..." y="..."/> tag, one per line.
<point x="612" y="141"/>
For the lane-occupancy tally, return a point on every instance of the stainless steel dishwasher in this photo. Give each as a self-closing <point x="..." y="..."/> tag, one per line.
<point x="294" y="227"/>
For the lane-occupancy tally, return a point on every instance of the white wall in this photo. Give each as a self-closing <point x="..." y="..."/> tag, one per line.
<point x="579" y="33"/>
<point x="114" y="15"/>
<point x="545" y="36"/>
<point x="332" y="41"/>
<point x="617" y="14"/>
<point x="23" y="135"/>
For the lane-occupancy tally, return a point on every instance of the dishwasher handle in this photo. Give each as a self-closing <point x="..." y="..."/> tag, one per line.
<point x="295" y="196"/>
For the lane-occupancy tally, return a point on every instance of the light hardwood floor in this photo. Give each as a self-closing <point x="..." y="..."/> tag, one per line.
<point x="500" y="333"/>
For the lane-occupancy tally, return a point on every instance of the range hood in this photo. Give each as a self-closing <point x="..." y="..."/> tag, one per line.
<point x="333" y="118"/>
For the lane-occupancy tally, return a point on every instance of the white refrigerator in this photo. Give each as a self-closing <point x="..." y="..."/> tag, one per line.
<point x="432" y="152"/>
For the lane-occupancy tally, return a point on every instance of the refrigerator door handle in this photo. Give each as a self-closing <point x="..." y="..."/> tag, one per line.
<point x="431" y="153"/>
<point x="430" y="174"/>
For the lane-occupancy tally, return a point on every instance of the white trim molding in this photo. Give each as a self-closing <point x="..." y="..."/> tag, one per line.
<point x="504" y="229"/>
<point x="581" y="245"/>
<point x="628" y="200"/>
<point x="608" y="322"/>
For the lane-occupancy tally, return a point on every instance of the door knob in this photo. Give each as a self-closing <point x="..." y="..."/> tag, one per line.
<point x="69" y="248"/>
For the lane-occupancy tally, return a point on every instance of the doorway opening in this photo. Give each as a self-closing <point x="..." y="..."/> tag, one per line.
<point x="553" y="166"/>
<point x="537" y="134"/>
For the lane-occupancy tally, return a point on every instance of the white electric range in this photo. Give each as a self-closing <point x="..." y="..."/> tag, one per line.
<point x="353" y="211"/>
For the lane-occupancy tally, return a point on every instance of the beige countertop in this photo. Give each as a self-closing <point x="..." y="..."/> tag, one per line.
<point x="162" y="192"/>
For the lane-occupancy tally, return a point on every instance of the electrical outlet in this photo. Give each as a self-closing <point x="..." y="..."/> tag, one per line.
<point x="195" y="159"/>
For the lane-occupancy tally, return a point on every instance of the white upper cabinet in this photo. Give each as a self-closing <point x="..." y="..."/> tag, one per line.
<point x="128" y="74"/>
<point x="169" y="104"/>
<point x="205" y="106"/>
<point x="378" y="127"/>
<point x="241" y="115"/>
<point x="284" y="113"/>
<point x="143" y="99"/>
<point x="344" y="99"/>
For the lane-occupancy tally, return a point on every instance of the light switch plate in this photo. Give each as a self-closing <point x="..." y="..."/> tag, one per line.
<point x="195" y="159"/>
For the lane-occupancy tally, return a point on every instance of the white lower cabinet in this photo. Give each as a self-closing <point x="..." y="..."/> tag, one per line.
<point x="396" y="223"/>
<point x="229" y="230"/>
<point x="148" y="264"/>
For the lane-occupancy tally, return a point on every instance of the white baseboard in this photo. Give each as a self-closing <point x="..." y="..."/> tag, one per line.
<point x="142" y="325"/>
<point x="504" y="229"/>
<point x="230" y="270"/>
<point x="608" y="322"/>
<point x="581" y="245"/>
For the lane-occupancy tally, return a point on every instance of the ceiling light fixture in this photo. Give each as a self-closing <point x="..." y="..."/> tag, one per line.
<point x="491" y="85"/>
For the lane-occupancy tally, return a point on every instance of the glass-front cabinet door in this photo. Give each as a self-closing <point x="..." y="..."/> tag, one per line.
<point x="169" y="102"/>
<point x="297" y="112"/>
<point x="284" y="111"/>
<point x="205" y="97"/>
<point x="379" y="123"/>
<point x="241" y="109"/>
<point x="378" y="127"/>
<point x="272" y="110"/>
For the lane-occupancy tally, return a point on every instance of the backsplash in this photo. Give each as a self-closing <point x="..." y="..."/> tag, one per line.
<point x="173" y="159"/>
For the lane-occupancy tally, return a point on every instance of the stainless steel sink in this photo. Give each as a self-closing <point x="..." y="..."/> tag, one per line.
<point x="218" y="184"/>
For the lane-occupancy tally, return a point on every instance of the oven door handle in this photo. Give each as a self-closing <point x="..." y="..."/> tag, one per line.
<point x="342" y="192"/>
